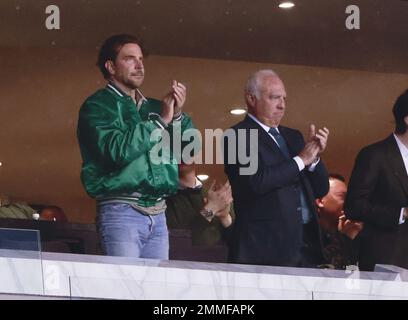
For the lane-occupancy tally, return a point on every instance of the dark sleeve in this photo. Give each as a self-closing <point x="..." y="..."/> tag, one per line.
<point x="183" y="212"/>
<point x="227" y="235"/>
<point x="204" y="232"/>
<point x="265" y="177"/>
<point x="341" y="251"/>
<point x="286" y="172"/>
<point x="268" y="177"/>
<point x="361" y="202"/>
<point x="183" y="209"/>
<point x="319" y="179"/>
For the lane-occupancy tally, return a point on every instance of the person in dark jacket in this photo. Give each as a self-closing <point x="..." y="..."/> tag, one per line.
<point x="276" y="222"/>
<point x="338" y="233"/>
<point x="378" y="195"/>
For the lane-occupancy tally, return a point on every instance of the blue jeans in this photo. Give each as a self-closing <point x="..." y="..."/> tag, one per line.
<point x="124" y="231"/>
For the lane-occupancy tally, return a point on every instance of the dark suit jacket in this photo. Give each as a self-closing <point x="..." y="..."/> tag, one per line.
<point x="268" y="226"/>
<point x="378" y="189"/>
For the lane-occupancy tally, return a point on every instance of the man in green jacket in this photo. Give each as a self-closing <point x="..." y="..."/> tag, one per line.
<point x="119" y="131"/>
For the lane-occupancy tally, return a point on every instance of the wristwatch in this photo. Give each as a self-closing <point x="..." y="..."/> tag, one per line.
<point x="207" y="213"/>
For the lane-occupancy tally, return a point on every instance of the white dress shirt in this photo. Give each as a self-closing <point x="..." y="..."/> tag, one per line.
<point x="298" y="160"/>
<point x="404" y="153"/>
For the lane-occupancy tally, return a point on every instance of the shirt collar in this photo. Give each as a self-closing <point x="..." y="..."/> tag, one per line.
<point x="139" y="96"/>
<point x="140" y="99"/>
<point x="264" y="126"/>
<point x="197" y="185"/>
<point x="403" y="149"/>
<point x="116" y="90"/>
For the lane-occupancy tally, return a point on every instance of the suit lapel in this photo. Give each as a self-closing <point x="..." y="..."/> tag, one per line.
<point x="397" y="163"/>
<point x="292" y="145"/>
<point x="264" y="137"/>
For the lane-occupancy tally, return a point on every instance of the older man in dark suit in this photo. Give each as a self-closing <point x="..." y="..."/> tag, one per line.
<point x="276" y="221"/>
<point x="378" y="195"/>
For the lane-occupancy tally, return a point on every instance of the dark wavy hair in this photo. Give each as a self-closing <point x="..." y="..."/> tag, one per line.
<point x="111" y="47"/>
<point x="400" y="111"/>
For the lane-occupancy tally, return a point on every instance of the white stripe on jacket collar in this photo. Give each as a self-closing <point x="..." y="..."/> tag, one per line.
<point x="120" y="93"/>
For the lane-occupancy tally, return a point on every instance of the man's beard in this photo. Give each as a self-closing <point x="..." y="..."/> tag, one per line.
<point x="134" y="83"/>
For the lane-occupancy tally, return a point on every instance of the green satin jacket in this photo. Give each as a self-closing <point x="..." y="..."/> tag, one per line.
<point x="115" y="140"/>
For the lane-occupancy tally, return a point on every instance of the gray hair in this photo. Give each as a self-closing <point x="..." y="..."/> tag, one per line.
<point x="253" y="83"/>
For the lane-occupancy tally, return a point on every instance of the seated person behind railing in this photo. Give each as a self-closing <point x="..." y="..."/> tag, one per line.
<point x="15" y="209"/>
<point x="205" y="215"/>
<point x="338" y="233"/>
